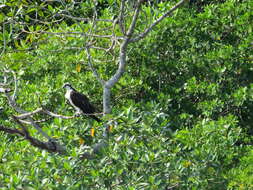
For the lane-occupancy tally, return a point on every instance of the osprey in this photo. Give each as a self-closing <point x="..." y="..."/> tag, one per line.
<point x="79" y="101"/>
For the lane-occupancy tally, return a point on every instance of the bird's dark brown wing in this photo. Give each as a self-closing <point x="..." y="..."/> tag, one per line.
<point x="83" y="103"/>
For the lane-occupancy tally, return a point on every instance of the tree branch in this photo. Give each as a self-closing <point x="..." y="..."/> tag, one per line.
<point x="14" y="105"/>
<point x="27" y="114"/>
<point x="168" y="13"/>
<point x="95" y="73"/>
<point x="85" y="19"/>
<point x="121" y="17"/>
<point x="47" y="112"/>
<point x="4" y="40"/>
<point x="81" y="34"/>
<point x="12" y="131"/>
<point x="123" y="47"/>
<point x="134" y="20"/>
<point x="51" y="145"/>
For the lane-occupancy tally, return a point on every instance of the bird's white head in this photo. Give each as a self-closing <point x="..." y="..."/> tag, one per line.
<point x="67" y="86"/>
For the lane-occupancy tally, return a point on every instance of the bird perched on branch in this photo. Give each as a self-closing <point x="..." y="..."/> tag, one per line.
<point x="80" y="102"/>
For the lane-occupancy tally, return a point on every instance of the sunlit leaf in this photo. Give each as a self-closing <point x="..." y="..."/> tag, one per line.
<point x="81" y="141"/>
<point x="110" y="128"/>
<point x="92" y="132"/>
<point x="78" y="68"/>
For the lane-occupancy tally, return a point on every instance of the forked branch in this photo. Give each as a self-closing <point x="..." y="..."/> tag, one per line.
<point x="26" y="118"/>
<point x="50" y="146"/>
<point x="168" y="13"/>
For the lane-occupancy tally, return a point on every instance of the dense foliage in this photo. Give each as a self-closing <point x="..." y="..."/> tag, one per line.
<point x="183" y="109"/>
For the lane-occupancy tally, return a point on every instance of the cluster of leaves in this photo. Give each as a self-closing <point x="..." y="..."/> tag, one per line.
<point x="143" y="153"/>
<point x="183" y="108"/>
<point x="205" y="63"/>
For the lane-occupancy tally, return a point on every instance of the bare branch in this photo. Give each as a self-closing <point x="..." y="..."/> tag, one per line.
<point x="38" y="128"/>
<point x="51" y="145"/>
<point x="85" y="19"/>
<point x="11" y="131"/>
<point x="36" y="121"/>
<point x="58" y="115"/>
<point x="121" y="17"/>
<point x="64" y="116"/>
<point x="122" y="61"/>
<point x="134" y="20"/>
<point x="14" y="105"/>
<point x="122" y="56"/>
<point x="15" y="86"/>
<point x="4" y="41"/>
<point x="77" y="33"/>
<point x="47" y="112"/>
<point x="168" y="13"/>
<point x="95" y="73"/>
<point x="27" y="114"/>
<point x="45" y="22"/>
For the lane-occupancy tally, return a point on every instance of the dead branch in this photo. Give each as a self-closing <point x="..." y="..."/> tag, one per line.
<point x="51" y="145"/>
<point x="13" y="104"/>
<point x="11" y="131"/>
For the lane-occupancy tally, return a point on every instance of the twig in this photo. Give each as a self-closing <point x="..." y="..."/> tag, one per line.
<point x="82" y="34"/>
<point x="58" y="115"/>
<point x="4" y="45"/>
<point x="15" y="86"/>
<point x="85" y="19"/>
<point x="172" y="187"/>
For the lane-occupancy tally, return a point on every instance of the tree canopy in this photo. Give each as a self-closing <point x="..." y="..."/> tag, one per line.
<point x="179" y="115"/>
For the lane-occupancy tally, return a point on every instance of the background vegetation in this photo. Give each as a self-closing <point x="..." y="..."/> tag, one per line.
<point x="183" y="109"/>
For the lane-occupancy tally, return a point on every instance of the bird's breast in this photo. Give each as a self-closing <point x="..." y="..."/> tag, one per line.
<point x="67" y="95"/>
